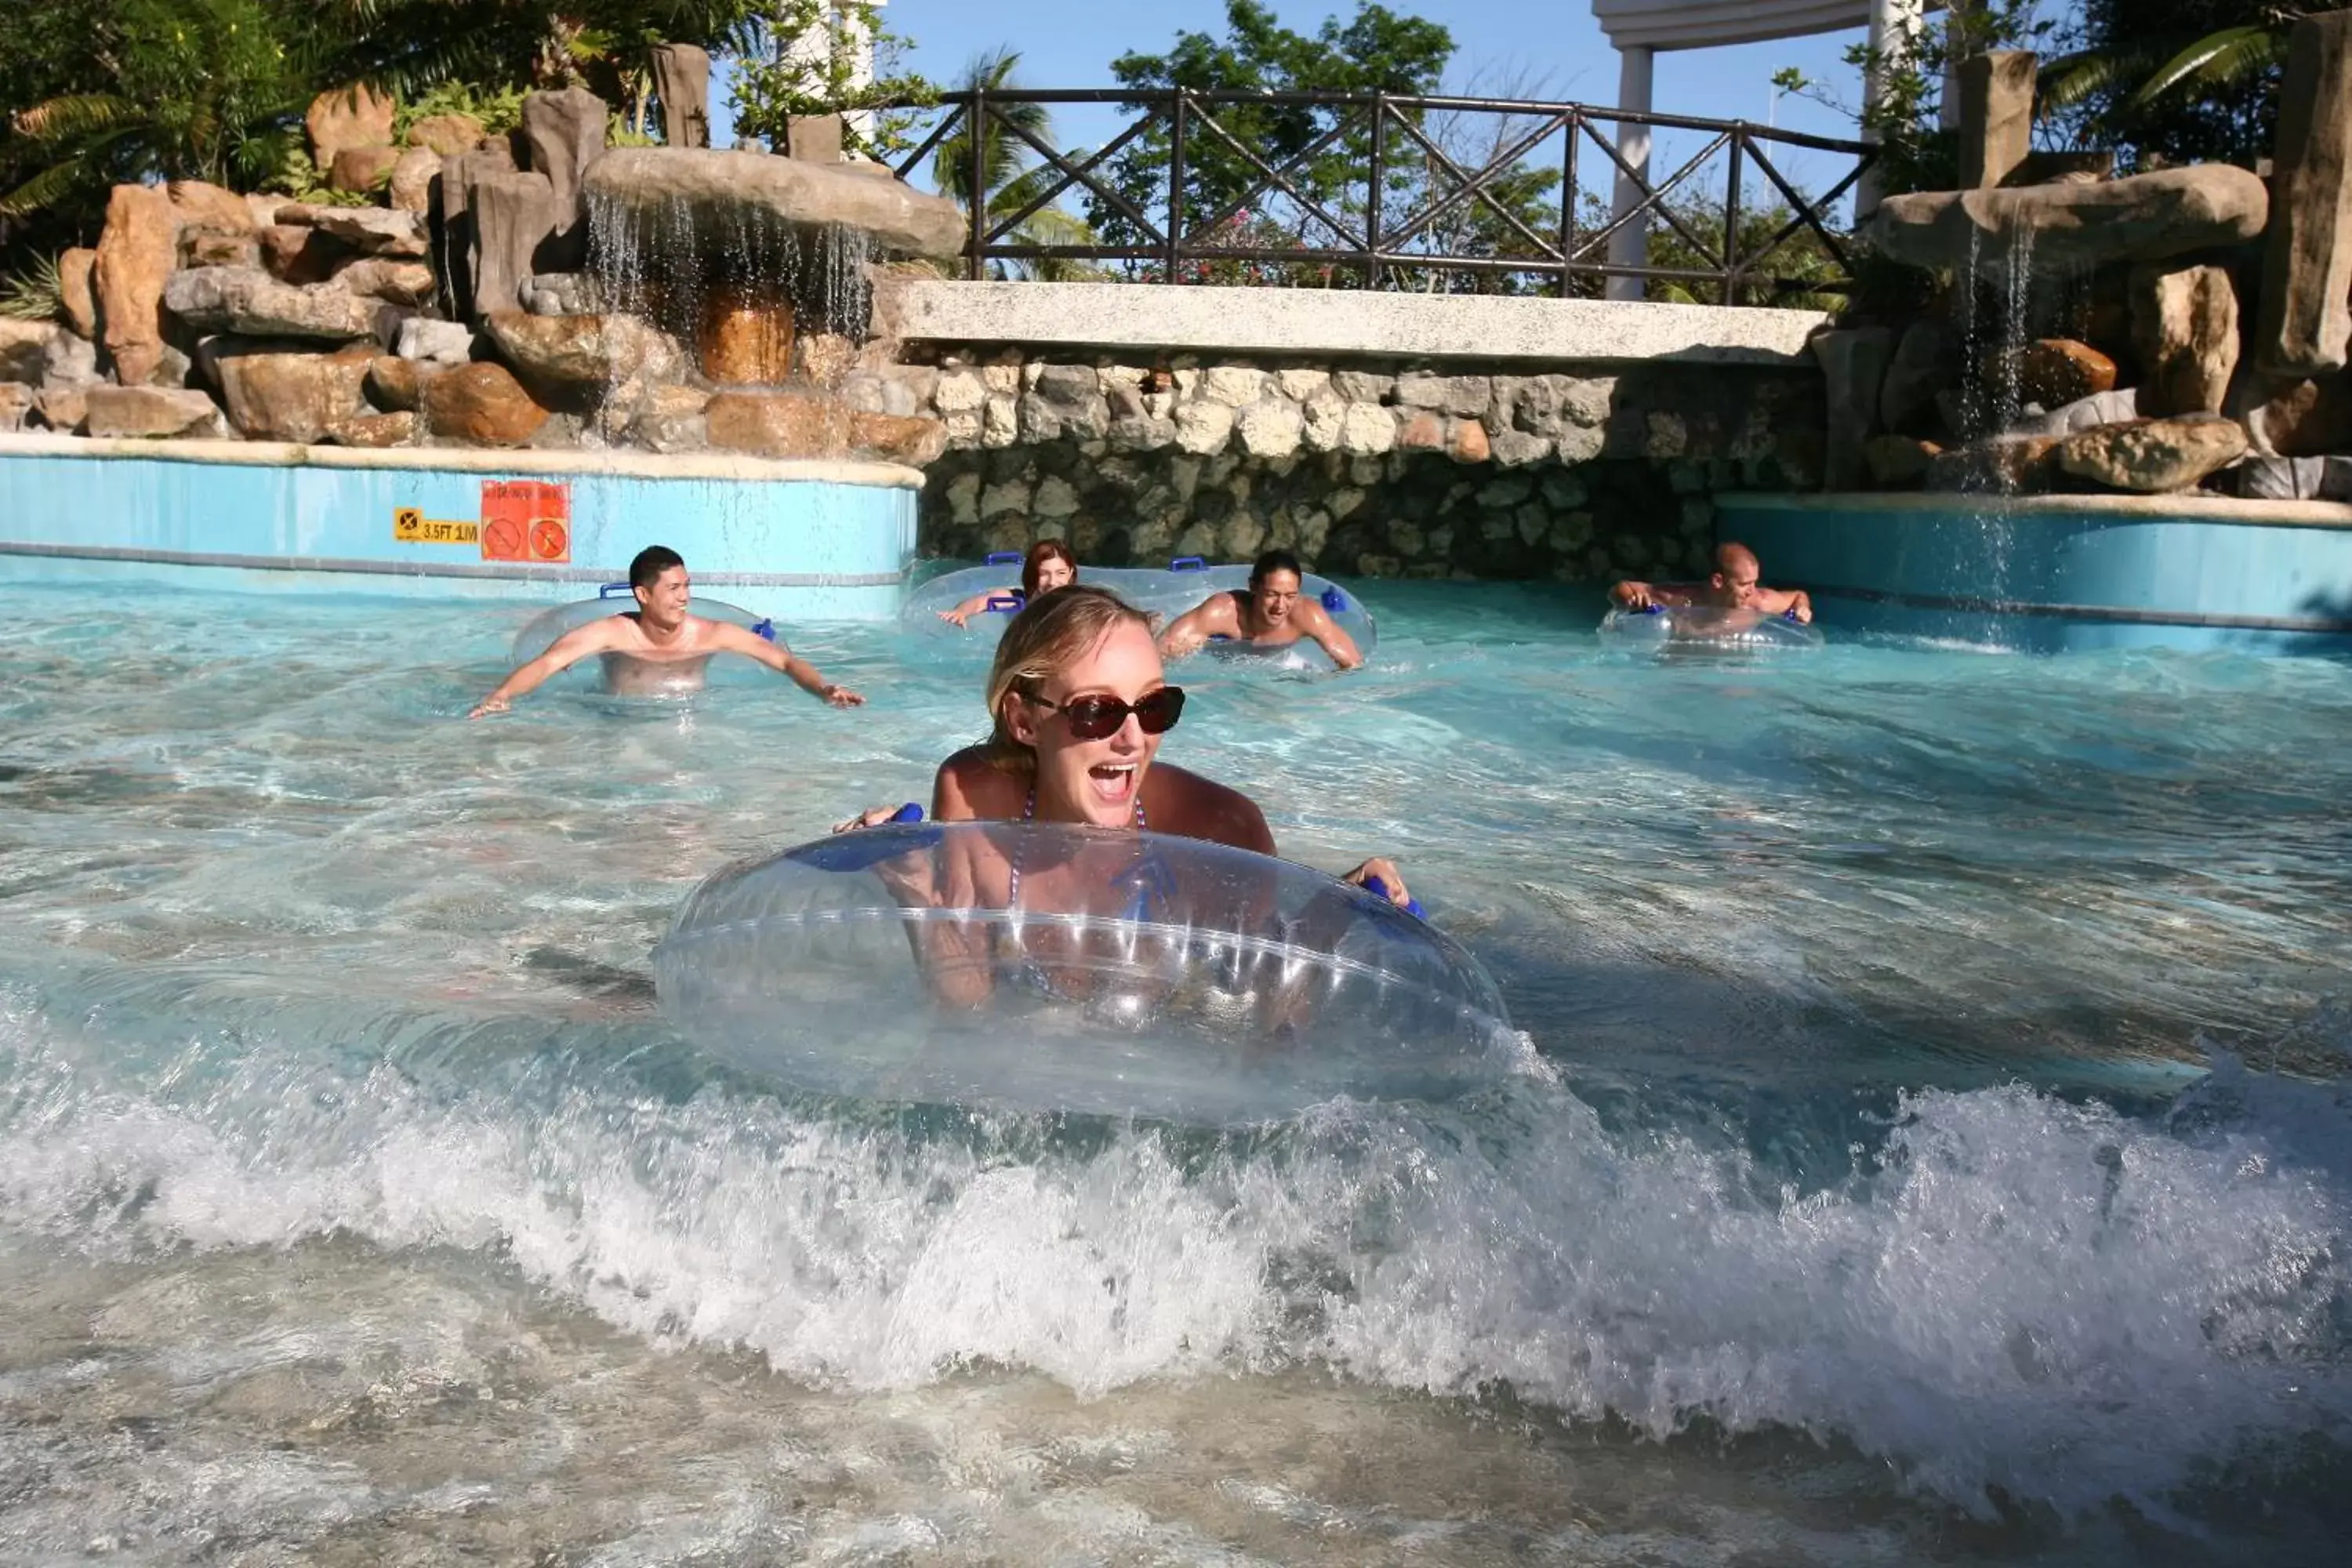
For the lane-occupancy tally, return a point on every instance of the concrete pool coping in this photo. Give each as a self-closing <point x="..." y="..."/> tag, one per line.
<point x="472" y="460"/>
<point x="2186" y="505"/>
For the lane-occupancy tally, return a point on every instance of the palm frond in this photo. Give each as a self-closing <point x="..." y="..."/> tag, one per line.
<point x="2070" y="79"/>
<point x="36" y="294"/>
<point x="75" y="114"/>
<point x="51" y="185"/>
<point x="2218" y="60"/>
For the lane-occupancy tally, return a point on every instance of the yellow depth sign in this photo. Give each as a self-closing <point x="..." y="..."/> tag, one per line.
<point x="411" y="526"/>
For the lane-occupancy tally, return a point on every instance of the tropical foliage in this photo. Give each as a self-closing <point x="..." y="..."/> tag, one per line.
<point x="1374" y="50"/>
<point x="803" y="57"/>
<point x="108" y="91"/>
<point x="2176" y="80"/>
<point x="1015" y="186"/>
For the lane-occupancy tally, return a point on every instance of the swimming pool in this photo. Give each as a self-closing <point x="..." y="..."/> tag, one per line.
<point x="354" y="1204"/>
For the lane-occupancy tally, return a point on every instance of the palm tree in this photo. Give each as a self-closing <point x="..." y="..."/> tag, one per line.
<point x="1009" y="182"/>
<point x="2162" y="78"/>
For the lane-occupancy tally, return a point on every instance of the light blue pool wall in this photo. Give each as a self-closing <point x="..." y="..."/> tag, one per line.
<point x="803" y="547"/>
<point x="2057" y="574"/>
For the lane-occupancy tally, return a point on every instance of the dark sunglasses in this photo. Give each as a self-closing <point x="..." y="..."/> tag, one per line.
<point x="1092" y="718"/>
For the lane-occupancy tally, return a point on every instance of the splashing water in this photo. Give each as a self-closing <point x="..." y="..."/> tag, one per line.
<point x="352" y="1196"/>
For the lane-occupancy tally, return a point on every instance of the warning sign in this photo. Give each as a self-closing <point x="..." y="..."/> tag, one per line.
<point x="411" y="526"/>
<point x="526" y="520"/>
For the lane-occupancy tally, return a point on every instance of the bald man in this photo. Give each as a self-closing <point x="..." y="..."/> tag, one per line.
<point x="1733" y="587"/>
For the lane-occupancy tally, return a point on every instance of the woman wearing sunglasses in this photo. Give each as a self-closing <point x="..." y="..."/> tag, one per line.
<point x="1080" y="705"/>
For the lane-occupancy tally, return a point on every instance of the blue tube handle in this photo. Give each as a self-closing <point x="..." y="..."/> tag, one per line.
<point x="863" y="849"/>
<point x="1379" y="887"/>
<point x="1790" y="614"/>
<point x="1334" y="600"/>
<point x="764" y="629"/>
<point x="614" y="590"/>
<point x="1652" y="609"/>
<point x="1003" y="604"/>
<point x="1188" y="563"/>
<point x="1003" y="558"/>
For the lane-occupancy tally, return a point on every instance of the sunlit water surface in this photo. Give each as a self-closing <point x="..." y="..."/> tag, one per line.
<point x="357" y="1206"/>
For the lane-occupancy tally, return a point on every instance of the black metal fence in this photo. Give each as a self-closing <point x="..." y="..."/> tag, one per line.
<point x="1385" y="191"/>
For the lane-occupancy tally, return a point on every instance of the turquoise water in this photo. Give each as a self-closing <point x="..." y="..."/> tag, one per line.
<point x="1945" y="1152"/>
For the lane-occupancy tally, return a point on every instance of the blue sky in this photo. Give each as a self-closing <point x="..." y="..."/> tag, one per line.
<point x="1553" y="47"/>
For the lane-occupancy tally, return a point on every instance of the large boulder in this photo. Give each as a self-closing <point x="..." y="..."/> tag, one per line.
<point x="2306" y="298"/>
<point x="2185" y="332"/>
<point x="76" y="291"/>
<point x="1854" y="362"/>
<point x="249" y="301"/>
<point x="2311" y="418"/>
<point x="412" y="180"/>
<point x="569" y="359"/>
<point x="743" y="338"/>
<point x="682" y="82"/>
<point x="297" y="253"/>
<point x="1925" y="363"/>
<point x="2154" y="455"/>
<point x="394" y="282"/>
<point x="397" y="429"/>
<point x="372" y="231"/>
<point x="360" y="170"/>
<point x="450" y="135"/>
<point x="481" y="405"/>
<point x="778" y="424"/>
<point x="2054" y="372"/>
<point x="564" y="133"/>
<point x="137" y="251"/>
<point x="512" y="215"/>
<point x="2145" y="218"/>
<point x="455" y="237"/>
<point x="152" y="412"/>
<point x="1996" y="115"/>
<point x="25" y="348"/>
<point x="347" y="117"/>
<point x="718" y="190"/>
<point x="915" y="441"/>
<point x="277" y="396"/>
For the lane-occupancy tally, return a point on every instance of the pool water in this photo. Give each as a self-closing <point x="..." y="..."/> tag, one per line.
<point x="1946" y="1152"/>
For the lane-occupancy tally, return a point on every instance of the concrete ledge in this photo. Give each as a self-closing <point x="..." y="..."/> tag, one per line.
<point x="1340" y="322"/>
<point x="469" y="460"/>
<point x="2191" y="506"/>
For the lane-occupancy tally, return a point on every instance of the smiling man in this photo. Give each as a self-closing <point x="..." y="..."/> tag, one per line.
<point x="1271" y="613"/>
<point x="1733" y="586"/>
<point x="659" y="645"/>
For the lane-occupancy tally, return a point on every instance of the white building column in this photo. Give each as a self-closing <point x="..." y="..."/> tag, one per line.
<point x="1894" y="28"/>
<point x="1629" y="246"/>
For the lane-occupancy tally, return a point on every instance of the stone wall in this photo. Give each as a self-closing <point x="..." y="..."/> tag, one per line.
<point x="1362" y="469"/>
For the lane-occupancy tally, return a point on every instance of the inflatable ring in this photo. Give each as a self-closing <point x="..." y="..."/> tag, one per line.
<point x="1165" y="592"/>
<point x="543" y="630"/>
<point x="1672" y="631"/>
<point x="1044" y="967"/>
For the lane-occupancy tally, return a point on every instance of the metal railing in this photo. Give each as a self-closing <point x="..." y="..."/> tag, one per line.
<point x="1384" y="189"/>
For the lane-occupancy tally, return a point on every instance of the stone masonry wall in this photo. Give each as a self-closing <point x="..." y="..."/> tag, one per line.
<point x="1366" y="470"/>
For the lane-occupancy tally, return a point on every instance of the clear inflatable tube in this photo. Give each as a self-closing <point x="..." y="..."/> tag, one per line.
<point x="1118" y="973"/>
<point x="1671" y="630"/>
<point x="1166" y="592"/>
<point x="541" y="631"/>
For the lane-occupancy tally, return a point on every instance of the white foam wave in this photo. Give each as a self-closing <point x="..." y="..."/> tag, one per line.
<point x="2008" y="1291"/>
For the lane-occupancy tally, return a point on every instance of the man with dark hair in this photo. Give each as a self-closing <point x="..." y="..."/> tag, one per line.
<point x="659" y="645"/>
<point x="1734" y="587"/>
<point x="1272" y="613"/>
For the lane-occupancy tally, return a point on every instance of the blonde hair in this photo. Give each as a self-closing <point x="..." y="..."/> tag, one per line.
<point x="1051" y="631"/>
